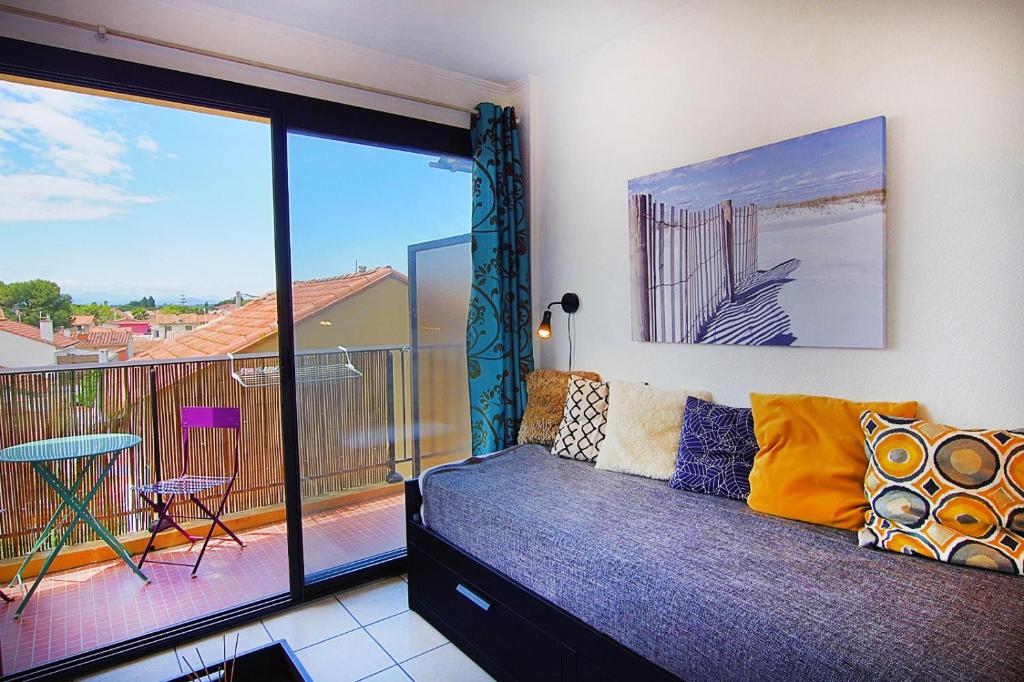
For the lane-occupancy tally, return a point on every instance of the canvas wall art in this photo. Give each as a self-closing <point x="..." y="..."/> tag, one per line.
<point x="780" y="245"/>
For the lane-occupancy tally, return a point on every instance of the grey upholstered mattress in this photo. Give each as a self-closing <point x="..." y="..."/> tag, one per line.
<point x="709" y="589"/>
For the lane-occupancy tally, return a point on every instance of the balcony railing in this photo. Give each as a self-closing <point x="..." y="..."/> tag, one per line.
<point x="353" y="432"/>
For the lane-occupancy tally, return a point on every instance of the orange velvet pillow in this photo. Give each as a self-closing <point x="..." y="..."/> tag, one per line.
<point x="811" y="462"/>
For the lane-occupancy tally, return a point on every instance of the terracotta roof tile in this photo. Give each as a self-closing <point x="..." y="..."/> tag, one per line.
<point x="241" y="328"/>
<point x="30" y="332"/>
<point x="143" y="345"/>
<point x="186" y="318"/>
<point x="107" y="337"/>
<point x="83" y="320"/>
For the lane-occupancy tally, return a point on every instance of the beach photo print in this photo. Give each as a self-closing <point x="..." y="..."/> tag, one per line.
<point x="780" y="245"/>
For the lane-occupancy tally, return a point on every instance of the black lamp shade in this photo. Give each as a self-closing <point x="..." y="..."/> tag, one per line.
<point x="544" y="330"/>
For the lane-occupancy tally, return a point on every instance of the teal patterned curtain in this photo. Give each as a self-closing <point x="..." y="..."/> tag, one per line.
<point x="499" y="341"/>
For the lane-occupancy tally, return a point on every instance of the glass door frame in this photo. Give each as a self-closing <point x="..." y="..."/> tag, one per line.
<point x="287" y="112"/>
<point x="413" y="251"/>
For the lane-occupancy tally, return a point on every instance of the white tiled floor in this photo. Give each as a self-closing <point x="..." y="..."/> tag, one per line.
<point x="363" y="634"/>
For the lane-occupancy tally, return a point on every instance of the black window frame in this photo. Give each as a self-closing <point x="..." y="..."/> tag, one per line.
<point x="287" y="112"/>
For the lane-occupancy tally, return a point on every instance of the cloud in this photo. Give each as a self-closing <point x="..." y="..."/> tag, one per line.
<point x="713" y="163"/>
<point x="64" y="166"/>
<point x="842" y="175"/>
<point x="147" y="144"/>
<point x="35" y="197"/>
<point x="53" y="121"/>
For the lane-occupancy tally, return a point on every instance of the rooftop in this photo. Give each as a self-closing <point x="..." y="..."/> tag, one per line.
<point x="29" y="332"/>
<point x="186" y="318"/>
<point x="240" y="328"/>
<point x="83" y="320"/>
<point x="107" y="337"/>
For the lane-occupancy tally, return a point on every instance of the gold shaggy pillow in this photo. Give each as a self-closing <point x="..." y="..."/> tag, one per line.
<point x="545" y="399"/>
<point x="642" y="433"/>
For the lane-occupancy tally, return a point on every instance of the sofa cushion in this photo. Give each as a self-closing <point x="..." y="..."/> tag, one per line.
<point x="583" y="420"/>
<point x="945" y="493"/>
<point x="716" y="450"/>
<point x="545" y="399"/>
<point x="644" y="424"/>
<point x="811" y="461"/>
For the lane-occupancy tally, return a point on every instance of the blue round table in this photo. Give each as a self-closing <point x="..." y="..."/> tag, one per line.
<point x="88" y="449"/>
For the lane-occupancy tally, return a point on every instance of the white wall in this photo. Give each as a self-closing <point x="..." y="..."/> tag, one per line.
<point x="18" y="351"/>
<point x="721" y="76"/>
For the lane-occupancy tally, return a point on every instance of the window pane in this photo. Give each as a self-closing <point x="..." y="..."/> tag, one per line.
<point x="379" y="398"/>
<point x="137" y="250"/>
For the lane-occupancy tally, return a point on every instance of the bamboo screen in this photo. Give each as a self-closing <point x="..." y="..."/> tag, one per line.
<point x="347" y="430"/>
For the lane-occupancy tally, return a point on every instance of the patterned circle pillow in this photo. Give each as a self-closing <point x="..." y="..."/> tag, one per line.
<point x="949" y="494"/>
<point x="583" y="420"/>
<point x="716" y="450"/>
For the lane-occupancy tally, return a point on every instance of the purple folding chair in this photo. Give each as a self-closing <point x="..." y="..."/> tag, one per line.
<point x="7" y="599"/>
<point x="190" y="485"/>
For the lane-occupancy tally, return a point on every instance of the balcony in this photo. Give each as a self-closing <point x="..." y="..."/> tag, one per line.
<point x="360" y="433"/>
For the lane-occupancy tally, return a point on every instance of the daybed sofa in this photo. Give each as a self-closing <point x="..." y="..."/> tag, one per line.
<point x="546" y="568"/>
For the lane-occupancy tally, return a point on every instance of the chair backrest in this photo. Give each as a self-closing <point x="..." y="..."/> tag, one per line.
<point x="209" y="418"/>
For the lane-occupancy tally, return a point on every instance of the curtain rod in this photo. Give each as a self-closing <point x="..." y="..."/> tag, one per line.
<point x="103" y="32"/>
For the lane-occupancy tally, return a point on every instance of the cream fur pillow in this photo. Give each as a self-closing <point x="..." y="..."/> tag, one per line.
<point x="642" y="433"/>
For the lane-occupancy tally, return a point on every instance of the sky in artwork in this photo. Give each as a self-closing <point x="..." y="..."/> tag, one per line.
<point x="834" y="162"/>
<point x="116" y="199"/>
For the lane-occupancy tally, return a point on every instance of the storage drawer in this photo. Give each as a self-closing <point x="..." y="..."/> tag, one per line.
<point x="495" y="630"/>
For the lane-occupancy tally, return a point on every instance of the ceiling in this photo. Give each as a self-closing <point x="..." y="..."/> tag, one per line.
<point x="499" y="40"/>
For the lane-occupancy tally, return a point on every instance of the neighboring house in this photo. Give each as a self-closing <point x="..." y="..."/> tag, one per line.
<point x="369" y="308"/>
<point x="82" y="324"/>
<point x="165" y="326"/>
<point x="137" y="327"/>
<point x="102" y="344"/>
<point x="22" y="345"/>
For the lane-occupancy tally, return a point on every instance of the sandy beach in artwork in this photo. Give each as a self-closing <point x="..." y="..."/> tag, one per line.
<point x="841" y="246"/>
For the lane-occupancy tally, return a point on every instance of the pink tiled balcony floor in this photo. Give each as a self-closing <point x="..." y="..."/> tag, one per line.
<point x="81" y="609"/>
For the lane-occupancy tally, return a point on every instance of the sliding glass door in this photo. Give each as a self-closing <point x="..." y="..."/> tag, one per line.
<point x="138" y="251"/>
<point x="151" y="268"/>
<point x="379" y="326"/>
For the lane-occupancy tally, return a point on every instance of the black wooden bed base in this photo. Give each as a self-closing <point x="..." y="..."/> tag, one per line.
<point x="511" y="632"/>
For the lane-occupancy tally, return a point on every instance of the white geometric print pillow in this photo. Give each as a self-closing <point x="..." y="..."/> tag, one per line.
<point x="583" y="420"/>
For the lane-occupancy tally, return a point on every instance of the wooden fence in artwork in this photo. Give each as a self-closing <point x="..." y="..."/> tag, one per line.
<point x="686" y="264"/>
<point x="352" y="432"/>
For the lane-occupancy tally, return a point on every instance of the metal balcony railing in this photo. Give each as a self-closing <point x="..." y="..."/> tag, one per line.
<point x="354" y="432"/>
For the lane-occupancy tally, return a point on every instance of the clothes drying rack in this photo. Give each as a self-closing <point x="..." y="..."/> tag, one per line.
<point x="270" y="375"/>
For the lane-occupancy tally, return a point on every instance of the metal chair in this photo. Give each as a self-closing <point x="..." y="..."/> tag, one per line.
<point x="189" y="485"/>
<point x="7" y="599"/>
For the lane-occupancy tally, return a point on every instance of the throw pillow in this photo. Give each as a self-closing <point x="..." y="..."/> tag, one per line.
<point x="945" y="493"/>
<point x="545" y="400"/>
<point x="583" y="420"/>
<point x="811" y="462"/>
<point x="716" y="450"/>
<point x="644" y="424"/>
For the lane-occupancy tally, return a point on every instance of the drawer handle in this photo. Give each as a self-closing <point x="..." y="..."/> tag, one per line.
<point x="473" y="596"/>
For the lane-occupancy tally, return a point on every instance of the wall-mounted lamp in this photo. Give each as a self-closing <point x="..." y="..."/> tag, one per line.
<point x="570" y="303"/>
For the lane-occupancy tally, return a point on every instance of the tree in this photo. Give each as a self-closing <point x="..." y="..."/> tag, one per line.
<point x="103" y="313"/>
<point x="35" y="297"/>
<point x="146" y="302"/>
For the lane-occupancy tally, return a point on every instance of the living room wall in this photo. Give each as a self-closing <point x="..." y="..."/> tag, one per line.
<point x="717" y="77"/>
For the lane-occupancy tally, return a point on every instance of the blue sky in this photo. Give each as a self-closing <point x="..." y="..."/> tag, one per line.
<point x="114" y="200"/>
<point x="832" y="162"/>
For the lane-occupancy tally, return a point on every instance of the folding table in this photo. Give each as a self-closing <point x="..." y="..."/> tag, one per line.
<point x="40" y="455"/>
